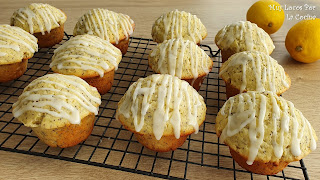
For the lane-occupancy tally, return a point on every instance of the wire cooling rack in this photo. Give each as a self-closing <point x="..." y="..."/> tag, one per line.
<point x="111" y="146"/>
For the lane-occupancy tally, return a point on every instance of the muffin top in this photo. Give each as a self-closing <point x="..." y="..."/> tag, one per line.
<point x="38" y="17"/>
<point x="255" y="71"/>
<point x="244" y="36"/>
<point x="16" y="44"/>
<point x="106" y="24"/>
<point x="56" y="100"/>
<point x="86" y="56"/>
<point x="162" y="105"/>
<point x="265" y="127"/>
<point x="181" y="58"/>
<point x="178" y="24"/>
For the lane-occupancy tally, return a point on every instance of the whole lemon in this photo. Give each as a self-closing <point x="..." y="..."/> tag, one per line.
<point x="303" y="41"/>
<point x="267" y="14"/>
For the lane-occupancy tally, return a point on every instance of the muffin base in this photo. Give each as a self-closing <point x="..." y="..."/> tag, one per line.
<point x="225" y="54"/>
<point x="50" y="39"/>
<point x="165" y="144"/>
<point x="232" y="91"/>
<point x="265" y="168"/>
<point x="196" y="83"/>
<point x="123" y="45"/>
<point x="13" y="71"/>
<point x="67" y="136"/>
<point x="103" y="84"/>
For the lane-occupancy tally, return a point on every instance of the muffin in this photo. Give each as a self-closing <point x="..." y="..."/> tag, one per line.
<point x="243" y="36"/>
<point x="264" y="132"/>
<point x="178" y="24"/>
<point x="90" y="58"/>
<point x="60" y="109"/>
<point x="161" y="110"/>
<point x="253" y="71"/>
<point x="43" y="21"/>
<point x="181" y="58"/>
<point x="111" y="26"/>
<point x="16" y="47"/>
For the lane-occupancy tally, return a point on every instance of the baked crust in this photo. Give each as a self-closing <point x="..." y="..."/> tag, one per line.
<point x="168" y="142"/>
<point x="123" y="45"/>
<point x="50" y="39"/>
<point x="196" y="83"/>
<point x="165" y="144"/>
<point x="13" y="71"/>
<point x="225" y="54"/>
<point x="67" y="136"/>
<point x="259" y="167"/>
<point x="103" y="84"/>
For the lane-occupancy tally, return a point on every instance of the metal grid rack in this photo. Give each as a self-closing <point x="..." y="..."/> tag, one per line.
<point x="111" y="146"/>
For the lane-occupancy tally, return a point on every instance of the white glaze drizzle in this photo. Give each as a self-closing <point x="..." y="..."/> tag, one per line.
<point x="173" y="21"/>
<point x="5" y="46"/>
<point x="283" y="112"/>
<point x="32" y="101"/>
<point x="313" y="143"/>
<point x="168" y="50"/>
<point x="46" y="12"/>
<point x="171" y="93"/>
<point x="73" y="52"/>
<point x="3" y="54"/>
<point x="28" y="41"/>
<point x="284" y="125"/>
<point x="14" y="47"/>
<point x="295" y="138"/>
<point x="256" y="131"/>
<point x="244" y="58"/>
<point x="243" y="31"/>
<point x="101" y="21"/>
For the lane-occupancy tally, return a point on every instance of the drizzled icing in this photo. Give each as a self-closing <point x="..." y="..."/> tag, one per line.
<point x="249" y="35"/>
<point x="38" y="17"/>
<point x="264" y="68"/>
<point x="67" y="95"/>
<point x="86" y="52"/>
<point x="176" y="27"/>
<point x="176" y="55"/>
<point x="283" y="115"/>
<point x="166" y="94"/>
<point x="16" y="39"/>
<point x="106" y="24"/>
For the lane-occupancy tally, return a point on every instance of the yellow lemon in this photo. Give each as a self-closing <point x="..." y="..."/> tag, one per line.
<point x="267" y="14"/>
<point x="303" y="41"/>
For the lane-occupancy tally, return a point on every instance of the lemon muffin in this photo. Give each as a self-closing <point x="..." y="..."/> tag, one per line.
<point x="90" y="58"/>
<point x="178" y="24"/>
<point x="181" y="58"/>
<point x="16" y="47"/>
<point x="43" y="21"/>
<point x="60" y="109"/>
<point x="253" y="71"/>
<point x="243" y="36"/>
<point x="161" y="110"/>
<point x="264" y="132"/>
<point x="111" y="26"/>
